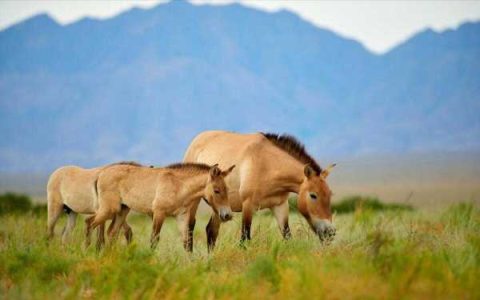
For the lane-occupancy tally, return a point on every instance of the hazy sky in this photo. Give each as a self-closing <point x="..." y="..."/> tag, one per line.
<point x="379" y="25"/>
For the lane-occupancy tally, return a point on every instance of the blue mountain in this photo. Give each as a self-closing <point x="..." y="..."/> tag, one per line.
<point x="141" y="85"/>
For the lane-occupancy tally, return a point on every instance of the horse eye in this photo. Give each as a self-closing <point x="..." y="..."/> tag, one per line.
<point x="313" y="196"/>
<point x="216" y="191"/>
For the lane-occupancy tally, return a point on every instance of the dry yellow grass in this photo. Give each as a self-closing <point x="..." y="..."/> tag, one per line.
<point x="376" y="255"/>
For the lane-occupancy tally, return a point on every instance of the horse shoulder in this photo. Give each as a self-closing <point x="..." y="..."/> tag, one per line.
<point x="166" y="190"/>
<point x="261" y="162"/>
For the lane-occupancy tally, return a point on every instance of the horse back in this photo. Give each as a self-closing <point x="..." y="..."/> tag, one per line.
<point x="254" y="156"/>
<point x="132" y="186"/>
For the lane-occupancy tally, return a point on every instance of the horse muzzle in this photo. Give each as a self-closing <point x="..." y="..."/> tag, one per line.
<point x="225" y="214"/>
<point x="324" y="230"/>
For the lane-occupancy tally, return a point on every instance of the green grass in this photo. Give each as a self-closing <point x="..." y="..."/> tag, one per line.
<point x="14" y="203"/>
<point x="351" y="204"/>
<point x="356" y="203"/>
<point x="376" y="255"/>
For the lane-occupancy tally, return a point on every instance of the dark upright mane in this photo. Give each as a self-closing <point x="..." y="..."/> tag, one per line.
<point x="295" y="148"/>
<point x="189" y="166"/>
<point x="128" y="163"/>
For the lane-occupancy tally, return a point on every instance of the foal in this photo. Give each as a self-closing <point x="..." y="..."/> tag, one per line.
<point x="72" y="189"/>
<point x="175" y="190"/>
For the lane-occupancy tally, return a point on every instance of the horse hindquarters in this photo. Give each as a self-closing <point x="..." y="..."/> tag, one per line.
<point x="109" y="206"/>
<point x="119" y="221"/>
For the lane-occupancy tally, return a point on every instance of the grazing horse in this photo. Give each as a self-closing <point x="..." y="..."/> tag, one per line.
<point x="72" y="189"/>
<point x="269" y="167"/>
<point x="175" y="190"/>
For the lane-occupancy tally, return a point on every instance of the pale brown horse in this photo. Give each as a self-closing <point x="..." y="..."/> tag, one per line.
<point x="175" y="190"/>
<point x="269" y="167"/>
<point x="72" y="189"/>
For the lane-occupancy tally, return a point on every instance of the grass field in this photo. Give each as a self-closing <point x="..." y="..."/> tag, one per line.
<point x="376" y="255"/>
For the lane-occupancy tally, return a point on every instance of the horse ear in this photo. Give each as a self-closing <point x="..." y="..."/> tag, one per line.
<point x="215" y="171"/>
<point x="226" y="172"/>
<point x="327" y="171"/>
<point x="308" y="171"/>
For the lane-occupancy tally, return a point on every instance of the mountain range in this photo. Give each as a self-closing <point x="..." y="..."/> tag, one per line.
<point x="141" y="85"/>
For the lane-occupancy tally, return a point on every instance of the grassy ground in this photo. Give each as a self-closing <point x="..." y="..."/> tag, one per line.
<point x="376" y="255"/>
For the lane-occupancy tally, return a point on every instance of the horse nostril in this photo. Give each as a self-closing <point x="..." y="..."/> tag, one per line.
<point x="225" y="216"/>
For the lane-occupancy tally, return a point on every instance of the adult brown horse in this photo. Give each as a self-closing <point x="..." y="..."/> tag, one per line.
<point x="269" y="167"/>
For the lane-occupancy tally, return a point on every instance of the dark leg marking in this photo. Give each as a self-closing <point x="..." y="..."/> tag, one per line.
<point x="286" y="232"/>
<point x="188" y="244"/>
<point x="212" y="232"/>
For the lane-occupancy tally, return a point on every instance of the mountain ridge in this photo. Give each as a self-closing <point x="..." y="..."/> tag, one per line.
<point x="141" y="84"/>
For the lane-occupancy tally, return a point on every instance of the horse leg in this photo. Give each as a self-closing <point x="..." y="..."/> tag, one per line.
<point x="190" y="226"/>
<point x="110" y="227"/>
<point x="158" y="218"/>
<point x="100" y="236"/>
<point x="117" y="222"/>
<point x="88" y="231"/>
<point x="109" y="207"/>
<point x="71" y="221"/>
<point x="55" y="208"/>
<point x="127" y="231"/>
<point x="182" y="223"/>
<point x="247" y="214"/>
<point x="212" y="231"/>
<point x="281" y="215"/>
<point x="95" y="221"/>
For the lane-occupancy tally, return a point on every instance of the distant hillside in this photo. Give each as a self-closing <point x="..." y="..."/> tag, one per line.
<point x="428" y="180"/>
<point x="141" y="85"/>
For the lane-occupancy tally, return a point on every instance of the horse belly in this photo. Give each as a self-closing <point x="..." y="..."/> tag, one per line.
<point x="80" y="202"/>
<point x="273" y="201"/>
<point x="141" y="204"/>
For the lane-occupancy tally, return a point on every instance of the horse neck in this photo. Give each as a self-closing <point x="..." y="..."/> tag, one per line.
<point x="288" y="175"/>
<point x="195" y="183"/>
